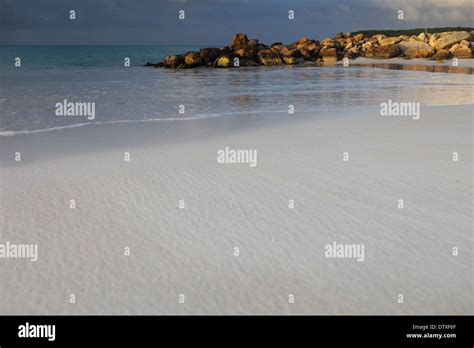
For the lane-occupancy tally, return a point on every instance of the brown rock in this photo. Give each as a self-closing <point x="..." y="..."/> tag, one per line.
<point x="448" y="39"/>
<point x="291" y="56"/>
<point x="209" y="55"/>
<point x="225" y="61"/>
<point x="289" y="60"/>
<point x="308" y="55"/>
<point x="441" y="55"/>
<point x="173" y="61"/>
<point x="386" y="51"/>
<point x="249" y="52"/>
<point x="422" y="37"/>
<point x="416" y="49"/>
<point x="312" y="47"/>
<point x="461" y="51"/>
<point x="192" y="59"/>
<point x="359" y="37"/>
<point x="328" y="42"/>
<point x="389" y="40"/>
<point x="269" y="57"/>
<point x="328" y="54"/>
<point x="280" y="48"/>
<point x="239" y="40"/>
<point x="302" y="42"/>
<point x="352" y="53"/>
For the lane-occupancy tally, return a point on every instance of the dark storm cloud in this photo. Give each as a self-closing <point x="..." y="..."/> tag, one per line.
<point x="212" y="21"/>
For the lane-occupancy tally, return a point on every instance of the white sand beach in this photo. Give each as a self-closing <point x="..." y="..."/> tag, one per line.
<point x="190" y="251"/>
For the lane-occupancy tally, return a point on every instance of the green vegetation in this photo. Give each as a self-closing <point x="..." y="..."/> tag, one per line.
<point x="410" y="32"/>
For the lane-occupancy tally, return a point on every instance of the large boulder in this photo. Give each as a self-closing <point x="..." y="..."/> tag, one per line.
<point x="367" y="49"/>
<point x="386" y="51"/>
<point x="289" y="60"/>
<point x="173" y="61"/>
<point x="269" y="57"/>
<point x="441" y="55"/>
<point x="192" y="59"/>
<point x="239" y="40"/>
<point x="288" y="55"/>
<point x="307" y="55"/>
<point x="378" y="37"/>
<point x="328" y="42"/>
<point x="249" y="52"/>
<point x="279" y="47"/>
<point x="422" y="37"/>
<point x="224" y="61"/>
<point x="291" y="57"/>
<point x="416" y="49"/>
<point x="352" y="53"/>
<point x="359" y="37"/>
<point x="209" y="55"/>
<point x="301" y="43"/>
<point x="389" y="40"/>
<point x="448" y="39"/>
<point x="461" y="51"/>
<point x="328" y="55"/>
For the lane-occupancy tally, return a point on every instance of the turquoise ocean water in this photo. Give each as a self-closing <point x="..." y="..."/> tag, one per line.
<point x="52" y="74"/>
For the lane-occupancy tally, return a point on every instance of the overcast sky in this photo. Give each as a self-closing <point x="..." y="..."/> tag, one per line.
<point x="212" y="22"/>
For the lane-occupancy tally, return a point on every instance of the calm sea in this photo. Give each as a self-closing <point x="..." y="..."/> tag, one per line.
<point x="52" y="74"/>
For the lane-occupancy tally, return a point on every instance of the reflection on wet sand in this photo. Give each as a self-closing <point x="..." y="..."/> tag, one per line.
<point x="421" y="67"/>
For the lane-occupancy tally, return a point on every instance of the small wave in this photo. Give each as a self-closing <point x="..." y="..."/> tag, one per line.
<point x="77" y="125"/>
<point x="205" y="116"/>
<point x="195" y="117"/>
